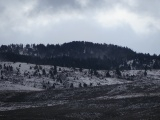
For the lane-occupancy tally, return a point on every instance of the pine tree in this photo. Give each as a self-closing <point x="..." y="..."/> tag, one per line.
<point x="118" y="72"/>
<point x="145" y="73"/>
<point x="80" y="69"/>
<point x="84" y="85"/>
<point x="55" y="69"/>
<point x="80" y="85"/>
<point x="91" y="72"/>
<point x="108" y="74"/>
<point x="71" y="86"/>
<point x="43" y="72"/>
<point x="53" y="86"/>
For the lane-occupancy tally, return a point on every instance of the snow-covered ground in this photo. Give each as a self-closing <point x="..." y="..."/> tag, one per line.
<point x="31" y="77"/>
<point x="6" y="85"/>
<point x="28" y="86"/>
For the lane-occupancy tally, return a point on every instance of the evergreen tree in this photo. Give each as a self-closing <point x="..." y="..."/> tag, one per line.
<point x="91" y="72"/>
<point x="55" y="69"/>
<point x="95" y="72"/>
<point x="36" y="67"/>
<point x="84" y="85"/>
<point x="43" y="72"/>
<point x="53" y="86"/>
<point x="80" y="69"/>
<point x="71" y="86"/>
<point x="80" y="85"/>
<point x="108" y="74"/>
<point x="118" y="72"/>
<point x="145" y="73"/>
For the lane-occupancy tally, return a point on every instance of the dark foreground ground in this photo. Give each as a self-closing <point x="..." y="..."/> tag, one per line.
<point x="91" y="110"/>
<point x="132" y="101"/>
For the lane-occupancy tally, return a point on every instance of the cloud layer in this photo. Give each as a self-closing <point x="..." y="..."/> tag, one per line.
<point x="132" y="23"/>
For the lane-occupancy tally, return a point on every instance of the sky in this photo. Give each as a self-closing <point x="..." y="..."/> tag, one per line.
<point x="129" y="23"/>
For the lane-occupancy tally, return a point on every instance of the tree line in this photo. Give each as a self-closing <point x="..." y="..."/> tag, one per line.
<point x="80" y="54"/>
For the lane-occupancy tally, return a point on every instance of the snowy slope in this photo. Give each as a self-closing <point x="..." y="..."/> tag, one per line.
<point x="31" y="77"/>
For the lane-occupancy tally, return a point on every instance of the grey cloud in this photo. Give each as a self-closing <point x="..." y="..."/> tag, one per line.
<point x="87" y="29"/>
<point x="144" y="7"/>
<point x="72" y="5"/>
<point x="149" y="6"/>
<point x="54" y="6"/>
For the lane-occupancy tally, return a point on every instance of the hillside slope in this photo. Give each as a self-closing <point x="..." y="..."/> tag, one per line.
<point x="32" y="77"/>
<point x="80" y="54"/>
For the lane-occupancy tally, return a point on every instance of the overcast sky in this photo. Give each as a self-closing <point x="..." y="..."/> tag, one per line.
<point x="131" y="23"/>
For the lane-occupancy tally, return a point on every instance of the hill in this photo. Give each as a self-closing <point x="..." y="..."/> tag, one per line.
<point x="28" y="90"/>
<point x="80" y="54"/>
<point x="54" y="86"/>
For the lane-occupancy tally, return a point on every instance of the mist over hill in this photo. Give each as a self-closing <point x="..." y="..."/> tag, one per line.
<point x="80" y="54"/>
